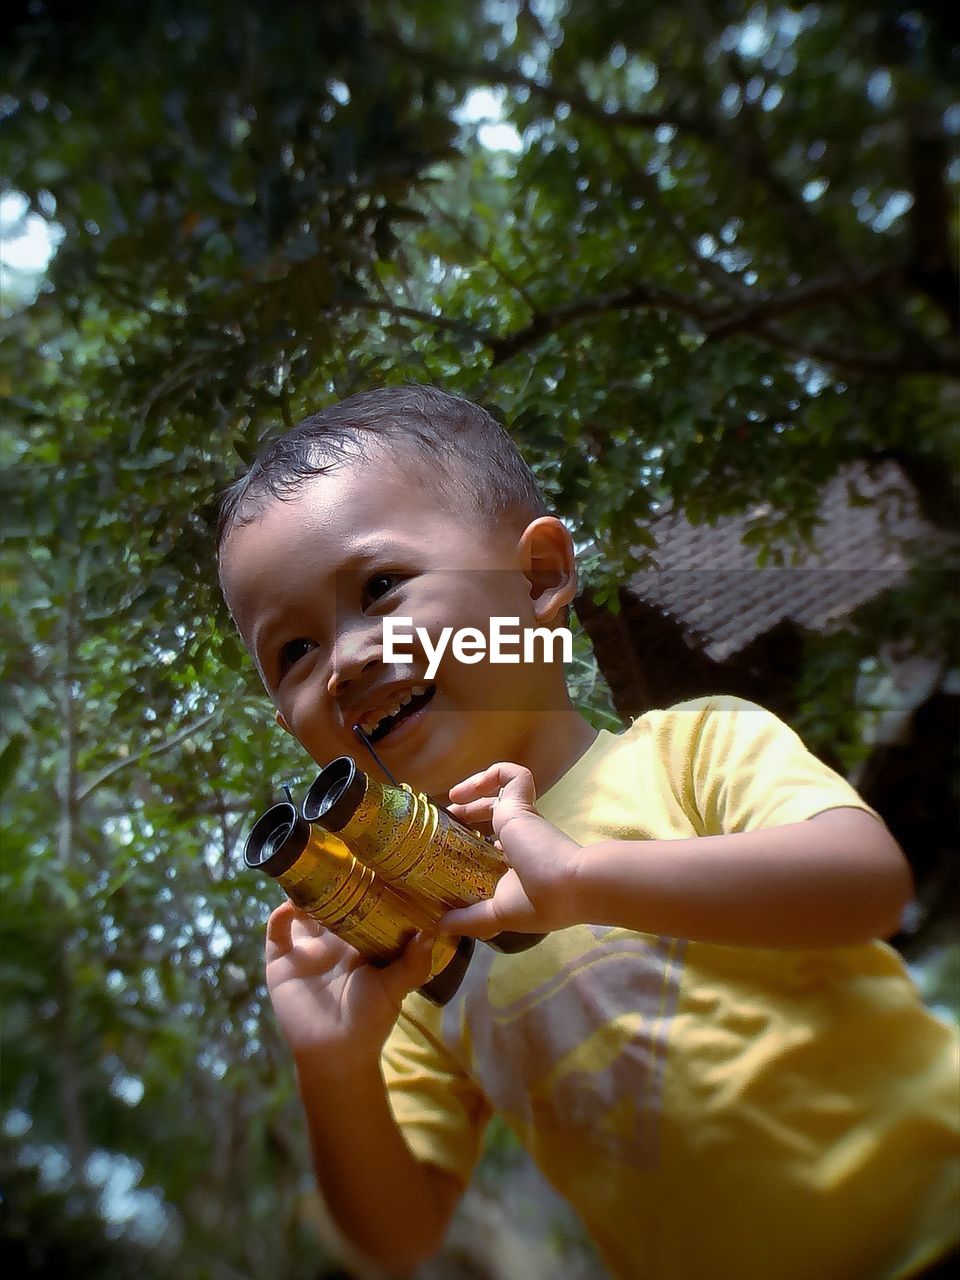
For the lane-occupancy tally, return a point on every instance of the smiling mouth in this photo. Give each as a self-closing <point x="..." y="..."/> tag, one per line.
<point x="409" y="704"/>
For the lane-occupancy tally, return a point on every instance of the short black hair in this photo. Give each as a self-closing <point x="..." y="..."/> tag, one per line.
<point x="472" y="450"/>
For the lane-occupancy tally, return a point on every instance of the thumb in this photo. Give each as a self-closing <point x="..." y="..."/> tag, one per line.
<point x="476" y="921"/>
<point x="412" y="969"/>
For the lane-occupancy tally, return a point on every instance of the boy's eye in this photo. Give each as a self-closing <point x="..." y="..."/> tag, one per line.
<point x="292" y="652"/>
<point x="379" y="585"/>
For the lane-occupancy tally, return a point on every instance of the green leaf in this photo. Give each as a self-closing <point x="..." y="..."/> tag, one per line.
<point x="10" y="758"/>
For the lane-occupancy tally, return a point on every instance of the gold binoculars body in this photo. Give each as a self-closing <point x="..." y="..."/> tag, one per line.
<point x="375" y="863"/>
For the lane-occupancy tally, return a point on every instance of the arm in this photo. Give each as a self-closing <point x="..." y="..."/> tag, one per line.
<point x="335" y="1012"/>
<point x="391" y="1207"/>
<point x="837" y="879"/>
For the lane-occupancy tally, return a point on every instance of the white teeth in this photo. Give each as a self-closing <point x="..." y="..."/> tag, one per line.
<point x="390" y="709"/>
<point x="369" y="725"/>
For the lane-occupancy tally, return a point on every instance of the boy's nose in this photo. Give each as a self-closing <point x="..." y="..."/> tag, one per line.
<point x="349" y="662"/>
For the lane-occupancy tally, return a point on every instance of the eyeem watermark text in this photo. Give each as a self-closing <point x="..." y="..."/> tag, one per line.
<point x="505" y="643"/>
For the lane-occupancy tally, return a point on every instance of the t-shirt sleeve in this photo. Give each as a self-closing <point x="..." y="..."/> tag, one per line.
<point x="749" y="770"/>
<point x="440" y="1110"/>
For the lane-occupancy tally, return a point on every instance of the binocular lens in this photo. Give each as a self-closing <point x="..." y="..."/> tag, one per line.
<point x="277" y="840"/>
<point x="334" y="796"/>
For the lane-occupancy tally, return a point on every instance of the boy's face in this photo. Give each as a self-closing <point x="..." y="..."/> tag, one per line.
<point x="311" y="579"/>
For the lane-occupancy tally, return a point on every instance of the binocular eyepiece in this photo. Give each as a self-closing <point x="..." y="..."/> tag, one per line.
<point x="278" y="838"/>
<point x="335" y="795"/>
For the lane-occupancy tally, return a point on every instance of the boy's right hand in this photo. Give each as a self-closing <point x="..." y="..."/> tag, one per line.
<point x="335" y="1009"/>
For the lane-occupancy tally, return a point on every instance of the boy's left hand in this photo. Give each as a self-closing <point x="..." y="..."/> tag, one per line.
<point x="538" y="891"/>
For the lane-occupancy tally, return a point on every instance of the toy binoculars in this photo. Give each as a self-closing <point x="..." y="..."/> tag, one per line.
<point x="375" y="863"/>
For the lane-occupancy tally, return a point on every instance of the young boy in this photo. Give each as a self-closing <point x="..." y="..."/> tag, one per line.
<point x="708" y="1055"/>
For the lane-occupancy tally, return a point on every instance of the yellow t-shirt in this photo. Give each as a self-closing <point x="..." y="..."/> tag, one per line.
<point x="712" y="1113"/>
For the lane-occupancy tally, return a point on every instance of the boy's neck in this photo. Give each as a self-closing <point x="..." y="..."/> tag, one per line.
<point x="556" y="741"/>
<point x="560" y="739"/>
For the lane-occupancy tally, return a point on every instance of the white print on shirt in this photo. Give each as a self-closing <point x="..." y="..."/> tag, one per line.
<point x="622" y="978"/>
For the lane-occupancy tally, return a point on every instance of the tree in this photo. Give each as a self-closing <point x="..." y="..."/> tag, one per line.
<point x="716" y="266"/>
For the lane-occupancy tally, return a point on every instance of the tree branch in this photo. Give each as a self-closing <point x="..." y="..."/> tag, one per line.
<point x="933" y="264"/>
<point x="488" y="71"/>
<point x="385" y="298"/>
<point x="68" y="1068"/>
<point x="424" y="317"/>
<point x="810" y="294"/>
<point x="471" y="242"/>
<point x="68" y="797"/>
<point x="891" y="363"/>
<point x="546" y="322"/>
<point x="716" y="323"/>
<point x="105" y="774"/>
<point x="645" y="187"/>
<point x="746" y="141"/>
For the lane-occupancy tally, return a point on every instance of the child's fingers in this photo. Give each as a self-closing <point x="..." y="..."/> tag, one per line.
<point x="412" y="969"/>
<point x="495" y="781"/>
<point x="477" y="921"/>
<point x="293" y="934"/>
<point x="478" y="784"/>
<point x="320" y="950"/>
<point x="476" y="811"/>
<point x="279" y="925"/>
<point x="487" y="782"/>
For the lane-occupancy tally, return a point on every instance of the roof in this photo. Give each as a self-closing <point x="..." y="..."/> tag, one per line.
<point x="707" y="598"/>
<point x="708" y="580"/>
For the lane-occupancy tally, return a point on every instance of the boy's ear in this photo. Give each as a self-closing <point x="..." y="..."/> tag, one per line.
<point x="550" y="566"/>
<point x="283" y="724"/>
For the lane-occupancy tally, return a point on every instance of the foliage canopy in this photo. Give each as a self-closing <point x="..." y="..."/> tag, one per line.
<point x="712" y="264"/>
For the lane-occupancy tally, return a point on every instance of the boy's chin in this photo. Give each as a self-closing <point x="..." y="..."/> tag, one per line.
<point x="434" y="769"/>
<point x="454" y="747"/>
<point x="434" y="778"/>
